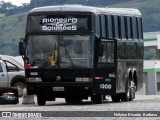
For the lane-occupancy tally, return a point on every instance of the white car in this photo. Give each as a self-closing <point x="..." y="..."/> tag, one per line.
<point x="11" y="75"/>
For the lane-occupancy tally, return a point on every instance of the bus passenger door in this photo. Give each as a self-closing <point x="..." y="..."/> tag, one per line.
<point x="105" y="72"/>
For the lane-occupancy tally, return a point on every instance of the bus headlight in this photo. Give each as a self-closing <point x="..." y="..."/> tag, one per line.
<point x="84" y="79"/>
<point x="37" y="79"/>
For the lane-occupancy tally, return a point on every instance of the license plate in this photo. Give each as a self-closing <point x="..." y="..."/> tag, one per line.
<point x="58" y="88"/>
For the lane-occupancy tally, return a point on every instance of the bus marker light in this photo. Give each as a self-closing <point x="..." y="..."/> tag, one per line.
<point x="99" y="78"/>
<point x="112" y="75"/>
<point x="107" y="80"/>
<point x="27" y="66"/>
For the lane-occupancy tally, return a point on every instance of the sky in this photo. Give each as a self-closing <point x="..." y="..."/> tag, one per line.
<point x="17" y="2"/>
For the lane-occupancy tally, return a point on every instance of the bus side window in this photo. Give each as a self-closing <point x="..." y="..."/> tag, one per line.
<point x="119" y="27"/>
<point x="140" y="35"/>
<point x="103" y="31"/>
<point x="106" y="52"/>
<point x="120" y="50"/>
<point x="109" y="26"/>
<point x="129" y="28"/>
<point x="134" y="27"/>
<point x="98" y="24"/>
<point x="109" y="52"/>
<point x="100" y="50"/>
<point x="116" y="27"/>
<point x="140" y="51"/>
<point x="123" y="28"/>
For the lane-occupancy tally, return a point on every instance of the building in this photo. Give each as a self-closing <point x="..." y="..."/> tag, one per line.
<point x="152" y="62"/>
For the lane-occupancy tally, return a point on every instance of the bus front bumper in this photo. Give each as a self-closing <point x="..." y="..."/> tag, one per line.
<point x="59" y="89"/>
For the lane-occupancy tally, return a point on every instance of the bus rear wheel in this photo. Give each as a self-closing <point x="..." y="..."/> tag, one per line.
<point x="129" y="94"/>
<point x="132" y="91"/>
<point x="115" y="98"/>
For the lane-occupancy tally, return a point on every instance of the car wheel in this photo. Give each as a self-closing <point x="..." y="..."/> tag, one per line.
<point x="20" y="86"/>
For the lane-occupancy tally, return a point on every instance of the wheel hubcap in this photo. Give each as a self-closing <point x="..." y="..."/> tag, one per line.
<point x="20" y="89"/>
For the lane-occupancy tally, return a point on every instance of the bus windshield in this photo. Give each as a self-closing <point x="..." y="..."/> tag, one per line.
<point x="60" y="51"/>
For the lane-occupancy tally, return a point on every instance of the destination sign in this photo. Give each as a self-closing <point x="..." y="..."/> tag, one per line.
<point x="57" y="23"/>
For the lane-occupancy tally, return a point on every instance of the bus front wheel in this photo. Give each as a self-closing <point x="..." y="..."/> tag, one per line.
<point x="41" y="100"/>
<point x="115" y="98"/>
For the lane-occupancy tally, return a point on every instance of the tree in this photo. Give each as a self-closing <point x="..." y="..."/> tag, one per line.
<point x="6" y="6"/>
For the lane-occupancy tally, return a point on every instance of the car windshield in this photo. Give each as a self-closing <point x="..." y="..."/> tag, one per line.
<point x="60" y="51"/>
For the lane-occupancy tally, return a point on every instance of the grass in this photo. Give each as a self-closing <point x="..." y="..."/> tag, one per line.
<point x="2" y="15"/>
<point x="12" y="28"/>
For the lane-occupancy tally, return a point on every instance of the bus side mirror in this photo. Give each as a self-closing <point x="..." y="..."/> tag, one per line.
<point x="21" y="48"/>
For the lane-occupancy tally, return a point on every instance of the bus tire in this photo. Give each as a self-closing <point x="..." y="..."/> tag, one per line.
<point x="69" y="100"/>
<point x="127" y="95"/>
<point x="133" y="87"/>
<point x="115" y="98"/>
<point x="41" y="100"/>
<point x="132" y="94"/>
<point x="78" y="100"/>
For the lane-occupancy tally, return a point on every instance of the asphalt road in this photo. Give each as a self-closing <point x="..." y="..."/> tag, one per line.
<point x="144" y="107"/>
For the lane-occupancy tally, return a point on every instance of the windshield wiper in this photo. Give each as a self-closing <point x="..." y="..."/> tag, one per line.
<point x="69" y="58"/>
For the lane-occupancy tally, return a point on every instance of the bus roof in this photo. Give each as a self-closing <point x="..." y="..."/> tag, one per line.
<point x="81" y="8"/>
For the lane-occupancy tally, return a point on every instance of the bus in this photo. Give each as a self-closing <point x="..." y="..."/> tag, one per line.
<point x="79" y="52"/>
